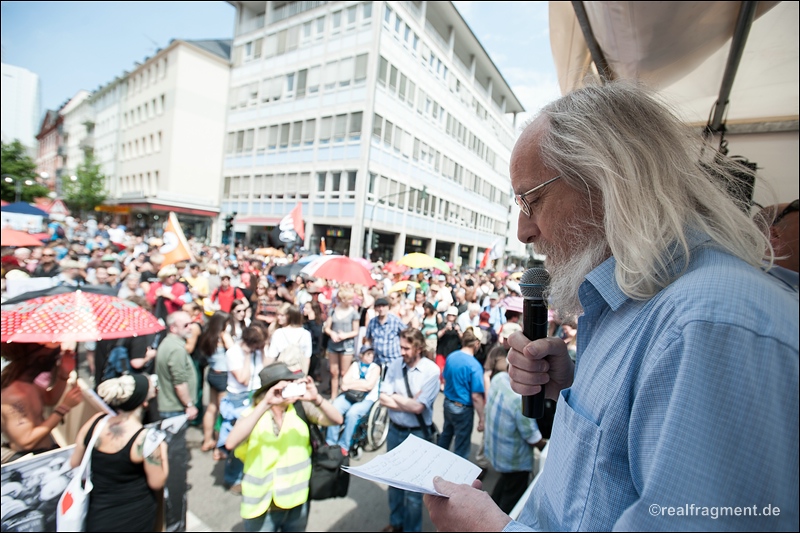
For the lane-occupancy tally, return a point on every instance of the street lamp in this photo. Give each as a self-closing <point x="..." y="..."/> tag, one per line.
<point x="17" y="184"/>
<point x="424" y="195"/>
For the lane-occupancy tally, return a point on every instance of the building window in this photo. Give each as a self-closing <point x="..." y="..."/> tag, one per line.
<point x="321" y="181"/>
<point x="361" y="68"/>
<point x="355" y="125"/>
<point x="284" y="141"/>
<point x="339" y="128"/>
<point x="309" y="132"/>
<point x="297" y="133"/>
<point x="325" y="126"/>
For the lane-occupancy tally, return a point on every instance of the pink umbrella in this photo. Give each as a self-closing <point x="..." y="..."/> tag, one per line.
<point x="341" y="269"/>
<point x="366" y="263"/>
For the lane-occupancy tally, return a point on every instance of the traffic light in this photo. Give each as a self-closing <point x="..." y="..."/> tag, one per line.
<point x="229" y="223"/>
<point x="375" y="241"/>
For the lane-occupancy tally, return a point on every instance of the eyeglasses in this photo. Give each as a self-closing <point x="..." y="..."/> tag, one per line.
<point x="522" y="203"/>
<point x="791" y="208"/>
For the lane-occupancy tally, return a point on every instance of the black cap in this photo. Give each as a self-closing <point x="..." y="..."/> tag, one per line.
<point x="381" y="301"/>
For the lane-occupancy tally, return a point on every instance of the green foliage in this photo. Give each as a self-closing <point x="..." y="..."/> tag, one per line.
<point x="20" y="167"/>
<point x="88" y="190"/>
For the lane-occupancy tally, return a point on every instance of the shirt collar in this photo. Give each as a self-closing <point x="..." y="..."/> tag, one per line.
<point x="602" y="283"/>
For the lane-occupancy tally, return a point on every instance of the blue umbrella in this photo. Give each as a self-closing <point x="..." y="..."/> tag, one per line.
<point x="24" y="208"/>
<point x="307" y="259"/>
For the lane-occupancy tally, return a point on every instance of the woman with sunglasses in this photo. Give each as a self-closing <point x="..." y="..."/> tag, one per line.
<point x="238" y="319"/>
<point x="213" y="344"/>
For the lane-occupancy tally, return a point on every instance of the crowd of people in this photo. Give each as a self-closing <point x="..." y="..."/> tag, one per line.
<point x="230" y="316"/>
<point x="679" y="325"/>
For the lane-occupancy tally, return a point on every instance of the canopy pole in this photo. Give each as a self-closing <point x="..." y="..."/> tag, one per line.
<point x="746" y="15"/>
<point x="599" y="59"/>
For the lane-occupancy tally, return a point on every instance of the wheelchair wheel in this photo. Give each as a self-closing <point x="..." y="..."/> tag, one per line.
<point x="377" y="426"/>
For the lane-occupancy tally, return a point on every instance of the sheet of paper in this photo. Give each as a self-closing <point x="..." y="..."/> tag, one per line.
<point x="413" y="465"/>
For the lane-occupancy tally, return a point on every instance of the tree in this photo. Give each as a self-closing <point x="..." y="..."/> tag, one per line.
<point x="88" y="190"/>
<point x="17" y="165"/>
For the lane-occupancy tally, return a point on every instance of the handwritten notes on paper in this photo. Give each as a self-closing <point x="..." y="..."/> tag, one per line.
<point x="413" y="465"/>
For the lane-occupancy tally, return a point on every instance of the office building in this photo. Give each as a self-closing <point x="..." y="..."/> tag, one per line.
<point x="382" y="118"/>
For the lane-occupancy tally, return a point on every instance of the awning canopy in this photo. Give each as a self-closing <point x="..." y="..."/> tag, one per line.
<point x="681" y="49"/>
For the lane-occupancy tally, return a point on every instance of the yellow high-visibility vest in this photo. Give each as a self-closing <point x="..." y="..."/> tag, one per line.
<point x="276" y="468"/>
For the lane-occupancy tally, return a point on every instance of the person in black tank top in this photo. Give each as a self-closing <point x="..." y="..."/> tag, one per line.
<point x="125" y="482"/>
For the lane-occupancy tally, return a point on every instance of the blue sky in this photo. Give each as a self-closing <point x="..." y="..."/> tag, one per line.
<point x="83" y="45"/>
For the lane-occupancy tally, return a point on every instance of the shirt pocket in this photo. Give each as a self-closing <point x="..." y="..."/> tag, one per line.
<point x="570" y="467"/>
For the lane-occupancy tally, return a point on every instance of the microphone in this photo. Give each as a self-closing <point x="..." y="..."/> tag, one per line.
<point x="532" y="284"/>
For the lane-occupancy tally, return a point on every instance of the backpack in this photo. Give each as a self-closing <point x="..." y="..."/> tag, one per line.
<point x="59" y="232"/>
<point x="328" y="480"/>
<point x="118" y="363"/>
<point x="293" y="355"/>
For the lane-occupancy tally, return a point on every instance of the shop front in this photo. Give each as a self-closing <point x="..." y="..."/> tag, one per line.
<point x="148" y="220"/>
<point x="444" y="250"/>
<point x="337" y="239"/>
<point x="416" y="244"/>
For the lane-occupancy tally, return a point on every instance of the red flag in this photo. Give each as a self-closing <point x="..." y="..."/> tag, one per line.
<point x="486" y="257"/>
<point x="293" y="222"/>
<point x="175" y="248"/>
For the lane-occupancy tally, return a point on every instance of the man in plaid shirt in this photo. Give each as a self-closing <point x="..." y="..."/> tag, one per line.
<point x="383" y="333"/>
<point x="509" y="440"/>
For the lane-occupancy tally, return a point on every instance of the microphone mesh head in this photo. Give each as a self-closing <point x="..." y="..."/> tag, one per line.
<point x="533" y="282"/>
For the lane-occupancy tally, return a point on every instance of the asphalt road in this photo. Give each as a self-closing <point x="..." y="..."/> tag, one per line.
<point x="366" y="507"/>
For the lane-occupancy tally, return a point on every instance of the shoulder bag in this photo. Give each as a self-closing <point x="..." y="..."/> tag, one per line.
<point x="431" y="432"/>
<point x="328" y="480"/>
<point x="74" y="502"/>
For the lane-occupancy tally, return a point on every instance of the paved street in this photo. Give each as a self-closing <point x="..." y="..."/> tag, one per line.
<point x="366" y="507"/>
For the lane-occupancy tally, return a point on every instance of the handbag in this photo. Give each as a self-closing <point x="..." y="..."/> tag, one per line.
<point x="74" y="502"/>
<point x="355" y="396"/>
<point x="431" y="432"/>
<point x="328" y="480"/>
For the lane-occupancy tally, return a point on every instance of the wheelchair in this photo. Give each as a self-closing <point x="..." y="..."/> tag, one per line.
<point x="371" y="431"/>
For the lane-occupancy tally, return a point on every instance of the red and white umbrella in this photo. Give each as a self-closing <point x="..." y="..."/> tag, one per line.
<point x="339" y="268"/>
<point x="76" y="316"/>
<point x="12" y="237"/>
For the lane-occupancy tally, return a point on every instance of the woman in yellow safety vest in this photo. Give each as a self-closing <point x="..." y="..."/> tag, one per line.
<point x="273" y="442"/>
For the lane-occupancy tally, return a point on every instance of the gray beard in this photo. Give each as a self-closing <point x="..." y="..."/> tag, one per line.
<point x="566" y="276"/>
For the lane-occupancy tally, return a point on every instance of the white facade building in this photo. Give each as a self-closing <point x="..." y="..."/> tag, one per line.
<point x="166" y="119"/>
<point x="104" y="141"/>
<point x="21" y="96"/>
<point x="382" y="115"/>
<point x="78" y="128"/>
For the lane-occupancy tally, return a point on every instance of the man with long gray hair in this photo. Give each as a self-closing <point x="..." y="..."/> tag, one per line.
<point x="681" y="336"/>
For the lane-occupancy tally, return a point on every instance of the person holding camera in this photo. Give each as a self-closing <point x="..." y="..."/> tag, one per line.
<point x="272" y="441"/>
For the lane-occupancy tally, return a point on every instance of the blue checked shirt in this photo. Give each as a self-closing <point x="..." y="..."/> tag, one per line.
<point x="385" y="338"/>
<point x="510" y="435"/>
<point x="687" y="399"/>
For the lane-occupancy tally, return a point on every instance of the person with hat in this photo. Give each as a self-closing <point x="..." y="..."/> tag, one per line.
<point x="126" y="478"/>
<point x="168" y="290"/>
<point x="359" y="392"/>
<point x="272" y="441"/>
<point x="496" y="312"/>
<point x="383" y="333"/>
